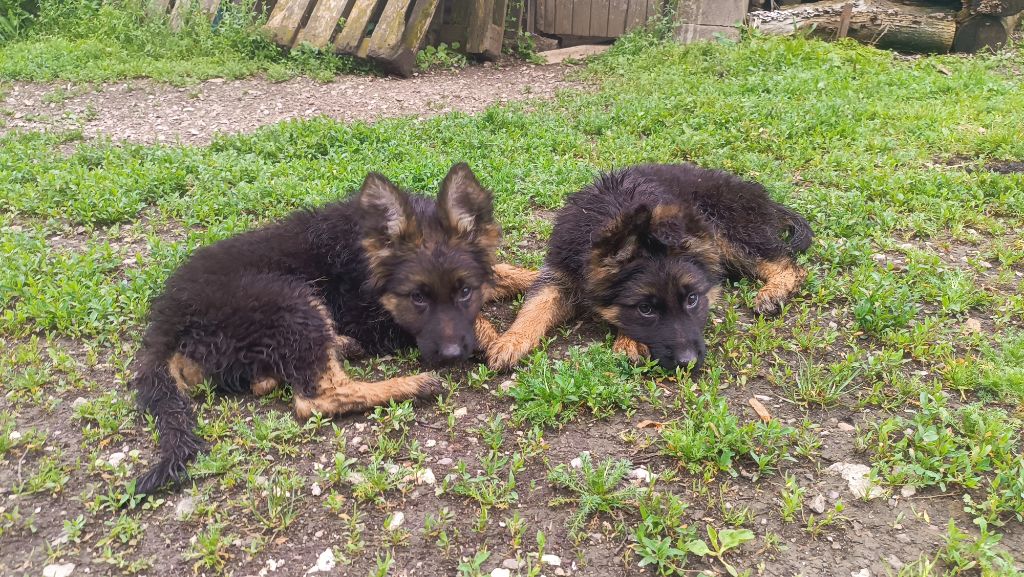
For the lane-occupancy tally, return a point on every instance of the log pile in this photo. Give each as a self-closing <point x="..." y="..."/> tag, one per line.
<point x="905" y="25"/>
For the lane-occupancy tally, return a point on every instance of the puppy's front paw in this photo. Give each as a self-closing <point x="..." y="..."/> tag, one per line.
<point x="504" y="353"/>
<point x="637" y="352"/>
<point x="429" y="386"/>
<point x="769" y="303"/>
<point x="348" y="348"/>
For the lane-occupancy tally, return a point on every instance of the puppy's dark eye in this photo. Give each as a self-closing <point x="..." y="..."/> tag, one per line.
<point x="418" y="298"/>
<point x="692" y="300"/>
<point x="464" y="293"/>
<point x="645" y="309"/>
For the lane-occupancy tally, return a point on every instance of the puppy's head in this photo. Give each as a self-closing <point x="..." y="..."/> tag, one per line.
<point x="429" y="260"/>
<point x="654" y="276"/>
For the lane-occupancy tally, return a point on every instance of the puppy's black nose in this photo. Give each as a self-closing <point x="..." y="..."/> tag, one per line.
<point x="686" y="358"/>
<point x="451" y="352"/>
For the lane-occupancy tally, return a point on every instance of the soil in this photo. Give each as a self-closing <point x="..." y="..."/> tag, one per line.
<point x="876" y="535"/>
<point x="147" y="112"/>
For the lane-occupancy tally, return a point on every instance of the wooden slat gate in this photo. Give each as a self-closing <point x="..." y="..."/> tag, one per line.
<point x="592" y="18"/>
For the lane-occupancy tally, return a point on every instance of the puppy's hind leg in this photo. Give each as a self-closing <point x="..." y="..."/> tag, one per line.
<point x="336" y="393"/>
<point x="782" y="278"/>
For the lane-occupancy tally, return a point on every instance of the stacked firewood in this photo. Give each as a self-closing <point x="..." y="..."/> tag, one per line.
<point x="904" y="25"/>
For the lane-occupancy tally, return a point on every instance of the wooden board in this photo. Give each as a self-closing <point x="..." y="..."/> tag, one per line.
<point x="581" y="17"/>
<point x="322" y="22"/>
<point x="285" y="20"/>
<point x="598" y="18"/>
<point x="636" y="14"/>
<point x="387" y="35"/>
<point x="486" y="27"/>
<point x="617" y="17"/>
<point x="179" y="12"/>
<point x="155" y="7"/>
<point x="350" y="39"/>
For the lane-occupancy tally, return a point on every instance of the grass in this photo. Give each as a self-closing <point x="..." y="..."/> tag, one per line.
<point x="911" y="320"/>
<point x="99" y="41"/>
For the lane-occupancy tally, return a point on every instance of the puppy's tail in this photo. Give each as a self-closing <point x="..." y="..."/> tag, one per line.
<point x="157" y="393"/>
<point x="800" y="233"/>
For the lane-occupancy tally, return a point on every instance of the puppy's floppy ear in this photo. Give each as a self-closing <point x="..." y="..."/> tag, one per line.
<point x="622" y="239"/>
<point x="466" y="207"/>
<point x="671" y="225"/>
<point x="388" y="215"/>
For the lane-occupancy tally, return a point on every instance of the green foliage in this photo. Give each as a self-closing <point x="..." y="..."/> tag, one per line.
<point x="442" y="56"/>
<point x="595" y="488"/>
<point x="593" y="379"/>
<point x="101" y="40"/>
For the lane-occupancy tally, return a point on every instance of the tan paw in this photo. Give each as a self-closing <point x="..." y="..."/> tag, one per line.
<point x="637" y="352"/>
<point x="505" y="352"/>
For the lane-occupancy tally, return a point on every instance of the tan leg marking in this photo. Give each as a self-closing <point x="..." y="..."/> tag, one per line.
<point x="637" y="352"/>
<point x="486" y="334"/>
<point x="340" y="394"/>
<point x="187" y="374"/>
<point x="543" y="310"/>
<point x="781" y="279"/>
<point x="509" y="281"/>
<point x="264" y="386"/>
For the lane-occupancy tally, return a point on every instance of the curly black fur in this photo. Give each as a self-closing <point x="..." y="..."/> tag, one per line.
<point x="647" y="247"/>
<point x="390" y="270"/>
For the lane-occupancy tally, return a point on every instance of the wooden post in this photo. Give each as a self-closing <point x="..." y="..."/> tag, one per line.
<point x="285" y="20"/>
<point x="703" y="19"/>
<point x="322" y="22"/>
<point x="350" y="39"/>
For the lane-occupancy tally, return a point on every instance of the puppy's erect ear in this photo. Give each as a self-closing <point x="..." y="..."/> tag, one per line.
<point x="623" y="238"/>
<point x="386" y="210"/>
<point x="466" y="208"/>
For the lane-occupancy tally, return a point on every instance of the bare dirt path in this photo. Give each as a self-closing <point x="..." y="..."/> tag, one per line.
<point x="144" y="111"/>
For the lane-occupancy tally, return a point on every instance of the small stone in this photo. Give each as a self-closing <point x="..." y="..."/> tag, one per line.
<point x="318" y="534"/>
<point x="837" y="546"/>
<point x="640" y="474"/>
<point x="116" y="458"/>
<point x="908" y="491"/>
<point x="510" y="564"/>
<point x="357" y="441"/>
<point x="560" y="572"/>
<point x="903" y="538"/>
<point x="445" y="462"/>
<point x="396" y="521"/>
<point x="431" y="443"/>
<point x="844" y="426"/>
<point x="894" y="562"/>
<point x="78" y="402"/>
<point x="460" y="412"/>
<point x="363" y="449"/>
<point x="14" y="436"/>
<point x="324" y="563"/>
<point x="58" y="570"/>
<point x="360" y="427"/>
<point x="553" y="560"/>
<point x="861" y="573"/>
<point x="425" y="477"/>
<point x="833" y="495"/>
<point x="500" y="572"/>
<point x="857" y="478"/>
<point x="505" y="386"/>
<point x="315" y="490"/>
<point x="972" y="326"/>
<point x="184" y="509"/>
<point x="817" y="504"/>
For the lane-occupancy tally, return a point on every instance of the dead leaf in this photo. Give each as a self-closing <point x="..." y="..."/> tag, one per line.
<point x="647" y="424"/>
<point x="760" y="410"/>
<point x="972" y="326"/>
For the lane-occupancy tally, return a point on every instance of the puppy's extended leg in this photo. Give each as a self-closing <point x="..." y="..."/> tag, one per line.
<point x="546" y="307"/>
<point x="337" y="393"/>
<point x="637" y="352"/>
<point x="509" y="281"/>
<point x="486" y="334"/>
<point x="782" y="278"/>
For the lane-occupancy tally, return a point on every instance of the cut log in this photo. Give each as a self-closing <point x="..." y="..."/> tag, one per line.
<point x="994" y="7"/>
<point x="884" y="24"/>
<point x="981" y="32"/>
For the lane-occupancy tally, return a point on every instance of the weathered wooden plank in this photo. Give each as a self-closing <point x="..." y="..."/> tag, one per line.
<point x="284" y="22"/>
<point x="419" y="24"/>
<point x="479" y="20"/>
<point x="617" y="18"/>
<point x="653" y="10"/>
<point x="599" y="18"/>
<point x="210" y="7"/>
<point x="636" y="14"/>
<point x="179" y="12"/>
<point x="400" y="57"/>
<point x="581" y="17"/>
<point x="155" y="7"/>
<point x="352" y="35"/>
<point x="573" y="52"/>
<point x="563" y="16"/>
<point x="387" y="34"/>
<point x="322" y="22"/>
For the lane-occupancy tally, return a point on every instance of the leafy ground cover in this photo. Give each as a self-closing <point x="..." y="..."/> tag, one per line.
<point x="902" y="354"/>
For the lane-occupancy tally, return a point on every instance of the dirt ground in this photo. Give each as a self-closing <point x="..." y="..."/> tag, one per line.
<point x="147" y="112"/>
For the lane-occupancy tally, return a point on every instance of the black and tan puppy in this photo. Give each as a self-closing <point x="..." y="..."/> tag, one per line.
<point x="280" y="305"/>
<point x="646" y="249"/>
